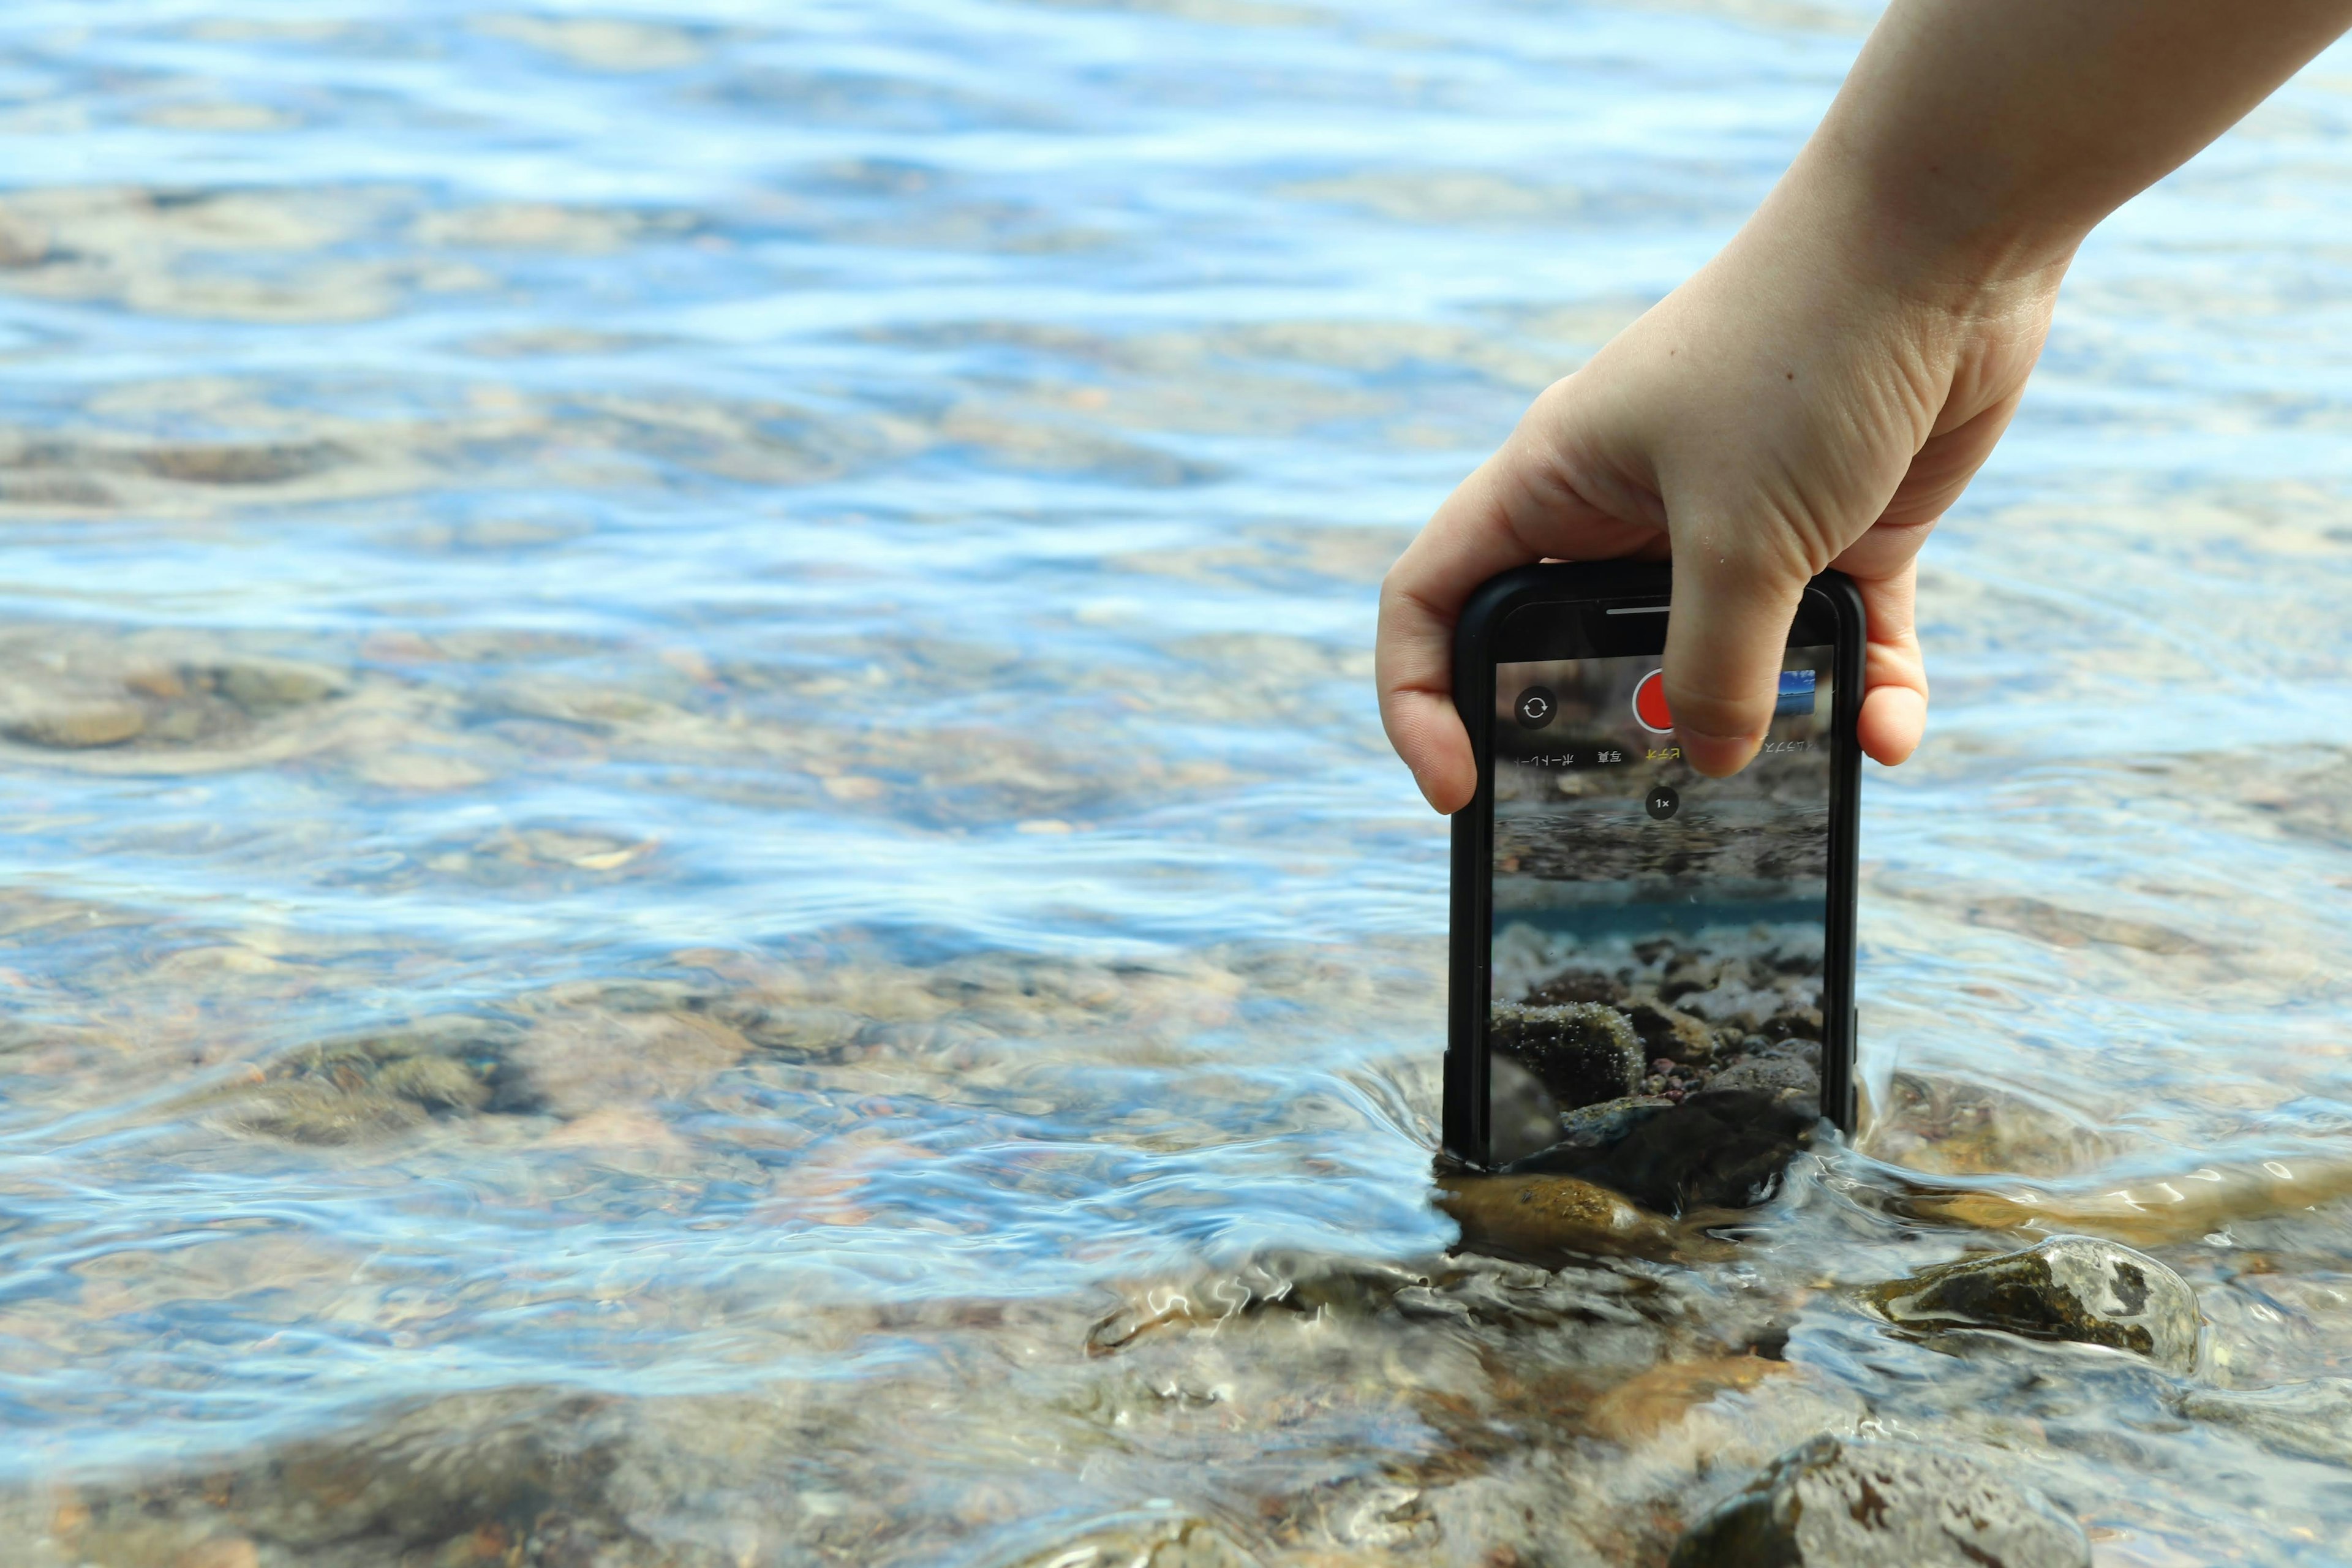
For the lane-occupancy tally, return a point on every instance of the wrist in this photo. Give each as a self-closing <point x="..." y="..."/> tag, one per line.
<point x="1921" y="236"/>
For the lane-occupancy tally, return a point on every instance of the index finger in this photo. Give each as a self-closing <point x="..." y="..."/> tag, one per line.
<point x="1521" y="506"/>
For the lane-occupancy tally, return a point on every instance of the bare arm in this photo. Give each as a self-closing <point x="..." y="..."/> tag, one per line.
<point x="1822" y="390"/>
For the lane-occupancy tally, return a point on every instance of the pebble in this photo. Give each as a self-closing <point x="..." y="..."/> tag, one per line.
<point x="1720" y="1148"/>
<point x="1833" y="1504"/>
<point x="1173" y="1544"/>
<point x="1583" y="1052"/>
<point x="80" y="727"/>
<point x="2074" y="1288"/>
<point x="1540" y="1217"/>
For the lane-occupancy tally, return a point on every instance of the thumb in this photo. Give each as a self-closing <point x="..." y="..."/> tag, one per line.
<point x="1726" y="633"/>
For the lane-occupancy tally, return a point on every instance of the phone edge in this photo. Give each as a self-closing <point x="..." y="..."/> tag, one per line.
<point x="1461" y="1118"/>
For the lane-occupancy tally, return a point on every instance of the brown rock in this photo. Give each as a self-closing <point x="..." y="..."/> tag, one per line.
<point x="81" y="726"/>
<point x="220" y="1551"/>
<point x="1540" y="1217"/>
<point x="2073" y="1288"/>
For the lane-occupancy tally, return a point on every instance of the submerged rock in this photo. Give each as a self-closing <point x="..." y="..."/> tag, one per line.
<point x="1671" y="1033"/>
<point x="1955" y="1126"/>
<point x="1786" y="1076"/>
<point x="1180" y="1542"/>
<point x="80" y="726"/>
<point x="1596" y="1126"/>
<point x="1831" y="1504"/>
<point x="2309" y="1420"/>
<point x="1542" y="1217"/>
<point x="1721" y="1148"/>
<point x="2073" y="1288"/>
<point x="1582" y="1052"/>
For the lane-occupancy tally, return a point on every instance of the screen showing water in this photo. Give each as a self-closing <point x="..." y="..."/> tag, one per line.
<point x="1656" y="949"/>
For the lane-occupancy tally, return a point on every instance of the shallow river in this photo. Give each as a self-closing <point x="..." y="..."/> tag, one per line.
<point x="700" y="870"/>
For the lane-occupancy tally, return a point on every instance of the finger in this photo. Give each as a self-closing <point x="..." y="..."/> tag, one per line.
<point x="1884" y="565"/>
<point x="1519" y="506"/>
<point x="1735" y="594"/>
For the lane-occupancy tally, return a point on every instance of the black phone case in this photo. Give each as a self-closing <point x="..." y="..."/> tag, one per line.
<point x="1465" y="1111"/>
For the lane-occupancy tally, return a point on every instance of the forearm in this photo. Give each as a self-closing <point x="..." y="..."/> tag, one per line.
<point x="1983" y="139"/>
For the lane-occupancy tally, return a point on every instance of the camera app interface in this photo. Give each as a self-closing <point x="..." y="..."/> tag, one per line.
<point x="1656" y="1021"/>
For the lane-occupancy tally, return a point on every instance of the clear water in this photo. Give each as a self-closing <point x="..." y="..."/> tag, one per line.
<point x="796" y="582"/>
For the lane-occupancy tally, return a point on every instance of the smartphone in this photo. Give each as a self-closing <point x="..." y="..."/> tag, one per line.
<point x="1652" y="980"/>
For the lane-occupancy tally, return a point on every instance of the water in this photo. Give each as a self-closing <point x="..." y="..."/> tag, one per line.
<point x="743" y="902"/>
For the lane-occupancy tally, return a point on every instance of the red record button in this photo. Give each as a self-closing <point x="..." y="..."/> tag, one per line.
<point x="1650" y="704"/>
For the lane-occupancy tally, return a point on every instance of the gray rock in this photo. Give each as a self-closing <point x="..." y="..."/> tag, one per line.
<point x="2076" y="1288"/>
<point x="1831" y="1504"/>
<point x="2310" y="1420"/>
<point x="1582" y="1052"/>
<point x="1781" y="1075"/>
<point x="1590" y="1126"/>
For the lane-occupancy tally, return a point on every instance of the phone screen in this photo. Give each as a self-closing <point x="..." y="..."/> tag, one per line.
<point x="1658" y="937"/>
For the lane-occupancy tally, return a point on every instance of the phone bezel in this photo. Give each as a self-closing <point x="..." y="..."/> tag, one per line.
<point x="1485" y="636"/>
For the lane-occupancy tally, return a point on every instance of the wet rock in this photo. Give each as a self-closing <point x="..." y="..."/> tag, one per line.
<point x="1955" y="1126"/>
<point x="1525" y="1120"/>
<point x="1575" y="986"/>
<point x="80" y="726"/>
<point x="1544" y="1217"/>
<point x="221" y="1552"/>
<point x="2070" y="1287"/>
<point x="1583" y="1052"/>
<point x="261" y="464"/>
<point x="1720" y="1148"/>
<point x="1832" y="1504"/>
<point x="1647" y="1402"/>
<point x="1144" y="1543"/>
<point x="1671" y="1033"/>
<point x="264" y="688"/>
<point x="1576" y="1133"/>
<point x="790" y="1031"/>
<point x="326" y="1114"/>
<point x="2309" y="1420"/>
<point x="1786" y="1076"/>
<point x="370" y="1086"/>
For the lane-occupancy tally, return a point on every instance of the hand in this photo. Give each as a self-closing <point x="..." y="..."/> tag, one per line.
<point x="1801" y="403"/>
<point x="1825" y="387"/>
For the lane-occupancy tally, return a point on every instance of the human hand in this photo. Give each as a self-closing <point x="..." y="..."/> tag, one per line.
<point x="1802" y="403"/>
<point x="1823" y="389"/>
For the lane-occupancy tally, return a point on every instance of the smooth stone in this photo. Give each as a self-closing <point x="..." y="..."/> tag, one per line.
<point x="1583" y="1052"/>
<point x="2074" y="1288"/>
<point x="1783" y="1077"/>
<point x="263" y="688"/>
<point x="1576" y="1134"/>
<point x="1540" y="1217"/>
<point x="1671" y="1033"/>
<point x="1720" y="1148"/>
<point x="1833" y="1504"/>
<point x="2309" y="1420"/>
<point x="1171" y="1543"/>
<point x="82" y="727"/>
